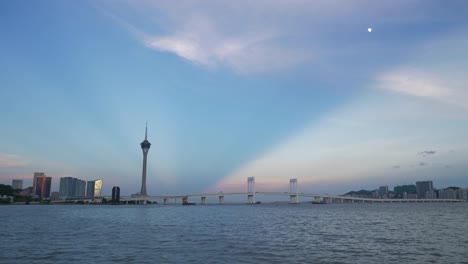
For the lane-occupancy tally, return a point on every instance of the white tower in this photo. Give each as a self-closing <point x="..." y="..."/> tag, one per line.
<point x="251" y="190"/>
<point x="145" y="146"/>
<point x="293" y="191"/>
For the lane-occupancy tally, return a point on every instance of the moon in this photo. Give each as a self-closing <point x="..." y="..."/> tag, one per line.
<point x="369" y="29"/>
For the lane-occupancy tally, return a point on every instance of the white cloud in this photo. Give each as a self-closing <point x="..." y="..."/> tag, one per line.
<point x="436" y="72"/>
<point x="204" y="44"/>
<point x="412" y="83"/>
<point x="435" y="86"/>
<point x="183" y="46"/>
<point x="250" y="37"/>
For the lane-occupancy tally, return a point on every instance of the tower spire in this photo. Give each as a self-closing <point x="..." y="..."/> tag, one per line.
<point x="146" y="131"/>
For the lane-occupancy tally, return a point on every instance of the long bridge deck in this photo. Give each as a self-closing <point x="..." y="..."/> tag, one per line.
<point x="316" y="197"/>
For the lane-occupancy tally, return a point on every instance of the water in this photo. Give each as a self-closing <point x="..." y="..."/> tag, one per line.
<point x="266" y="233"/>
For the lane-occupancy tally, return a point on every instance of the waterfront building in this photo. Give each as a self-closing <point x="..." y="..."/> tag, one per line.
<point x="66" y="187"/>
<point x="54" y="196"/>
<point x="36" y="175"/>
<point x="90" y="190"/>
<point x="431" y="195"/>
<point x="115" y="194"/>
<point x="383" y="192"/>
<point x="97" y="188"/>
<point x="425" y="190"/>
<point x="72" y="188"/>
<point x="17" y="184"/>
<point x="462" y="194"/>
<point x="80" y="189"/>
<point x="375" y="194"/>
<point x="27" y="191"/>
<point x="398" y="191"/>
<point x="447" y="193"/>
<point x="42" y="186"/>
<point x="93" y="189"/>
<point x="410" y="195"/>
<point x="145" y="146"/>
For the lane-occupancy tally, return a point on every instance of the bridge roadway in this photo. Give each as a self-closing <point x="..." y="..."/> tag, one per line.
<point x="317" y="198"/>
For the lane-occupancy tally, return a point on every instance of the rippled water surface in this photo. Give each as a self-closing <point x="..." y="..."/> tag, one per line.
<point x="266" y="233"/>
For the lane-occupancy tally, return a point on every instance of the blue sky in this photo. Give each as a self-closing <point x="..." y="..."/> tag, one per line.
<point x="231" y="89"/>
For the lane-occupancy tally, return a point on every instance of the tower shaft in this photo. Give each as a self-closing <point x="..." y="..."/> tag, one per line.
<point x="143" y="176"/>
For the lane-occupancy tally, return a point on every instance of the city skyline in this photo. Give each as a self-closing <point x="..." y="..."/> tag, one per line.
<point x="267" y="89"/>
<point x="95" y="186"/>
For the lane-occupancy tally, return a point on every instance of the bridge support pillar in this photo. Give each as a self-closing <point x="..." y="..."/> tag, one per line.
<point x="203" y="200"/>
<point x="221" y="199"/>
<point x="251" y="190"/>
<point x="293" y="191"/>
<point x="144" y="201"/>
<point x="165" y="201"/>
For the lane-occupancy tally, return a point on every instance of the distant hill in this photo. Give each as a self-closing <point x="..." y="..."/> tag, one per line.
<point x="359" y="193"/>
<point x="6" y="190"/>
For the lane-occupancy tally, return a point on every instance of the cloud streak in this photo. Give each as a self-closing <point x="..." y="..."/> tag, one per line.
<point x="252" y="37"/>
<point x="11" y="161"/>
<point x="251" y="52"/>
<point x="427" y="152"/>
<point x="435" y="78"/>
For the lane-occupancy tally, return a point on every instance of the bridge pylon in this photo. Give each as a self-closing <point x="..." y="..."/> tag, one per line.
<point x="293" y="191"/>
<point x="251" y="190"/>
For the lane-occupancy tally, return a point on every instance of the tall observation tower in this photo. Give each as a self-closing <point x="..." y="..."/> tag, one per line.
<point x="145" y="146"/>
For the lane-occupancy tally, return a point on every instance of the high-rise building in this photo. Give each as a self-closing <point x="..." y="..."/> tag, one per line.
<point x="90" y="190"/>
<point x="145" y="146"/>
<point x="36" y="175"/>
<point x="115" y="194"/>
<point x="447" y="193"/>
<point x="66" y="187"/>
<point x="463" y="194"/>
<point x="72" y="188"/>
<point x="383" y="191"/>
<point x="17" y="184"/>
<point x="425" y="190"/>
<point x="93" y="189"/>
<point x="409" y="195"/>
<point x="43" y="186"/>
<point x="97" y="188"/>
<point x="80" y="188"/>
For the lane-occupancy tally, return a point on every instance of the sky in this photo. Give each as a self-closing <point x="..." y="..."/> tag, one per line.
<point x="232" y="89"/>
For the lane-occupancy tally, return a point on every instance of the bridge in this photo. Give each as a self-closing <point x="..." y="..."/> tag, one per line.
<point x="251" y="195"/>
